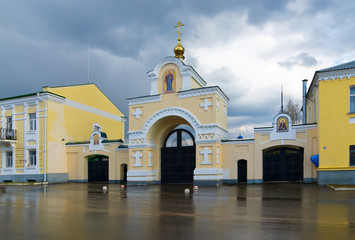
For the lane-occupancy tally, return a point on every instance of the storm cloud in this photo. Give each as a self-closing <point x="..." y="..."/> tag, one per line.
<point x="248" y="48"/>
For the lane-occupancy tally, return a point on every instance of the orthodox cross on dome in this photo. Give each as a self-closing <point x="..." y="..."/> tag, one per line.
<point x="179" y="49"/>
<point x="179" y="24"/>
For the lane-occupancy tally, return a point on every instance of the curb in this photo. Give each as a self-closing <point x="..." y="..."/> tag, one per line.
<point x="341" y="188"/>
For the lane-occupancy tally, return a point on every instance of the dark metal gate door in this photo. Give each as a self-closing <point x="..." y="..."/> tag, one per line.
<point x="242" y="171"/>
<point x="97" y="169"/>
<point x="178" y="163"/>
<point x="283" y="164"/>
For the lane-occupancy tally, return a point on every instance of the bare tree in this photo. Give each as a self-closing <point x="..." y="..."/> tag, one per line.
<point x="293" y="110"/>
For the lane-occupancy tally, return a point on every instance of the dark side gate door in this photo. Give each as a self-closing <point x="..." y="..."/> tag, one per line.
<point x="283" y="164"/>
<point x="178" y="160"/>
<point x="98" y="168"/>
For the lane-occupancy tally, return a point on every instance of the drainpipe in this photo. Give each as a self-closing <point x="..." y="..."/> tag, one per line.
<point x="45" y="138"/>
<point x="304" y="90"/>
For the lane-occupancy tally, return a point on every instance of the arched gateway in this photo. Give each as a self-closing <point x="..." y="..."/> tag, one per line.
<point x="153" y="122"/>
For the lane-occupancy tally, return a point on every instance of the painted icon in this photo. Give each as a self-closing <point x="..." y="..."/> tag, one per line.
<point x="96" y="139"/>
<point x="282" y="124"/>
<point x="169" y="81"/>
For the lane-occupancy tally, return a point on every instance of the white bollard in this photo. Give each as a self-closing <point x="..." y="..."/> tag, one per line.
<point x="187" y="191"/>
<point x="104" y="188"/>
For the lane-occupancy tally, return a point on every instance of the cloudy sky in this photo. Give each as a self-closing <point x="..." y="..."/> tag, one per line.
<point x="248" y="48"/>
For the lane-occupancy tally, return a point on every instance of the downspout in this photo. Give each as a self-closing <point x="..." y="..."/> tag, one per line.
<point x="45" y="138"/>
<point x="304" y="93"/>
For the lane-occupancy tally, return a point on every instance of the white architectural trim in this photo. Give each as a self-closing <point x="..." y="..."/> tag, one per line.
<point x="207" y="132"/>
<point x="89" y="109"/>
<point x="336" y="74"/>
<point x="186" y="72"/>
<point x="31" y="100"/>
<point x="203" y="91"/>
<point x="237" y="141"/>
<point x="208" y="174"/>
<point x="352" y="120"/>
<point x="143" y="100"/>
<point x="141" y="175"/>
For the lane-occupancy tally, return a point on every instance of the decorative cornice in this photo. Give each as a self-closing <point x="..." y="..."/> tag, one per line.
<point x="203" y="133"/>
<point x="337" y="74"/>
<point x="142" y="100"/>
<point x="32" y="99"/>
<point x="203" y="91"/>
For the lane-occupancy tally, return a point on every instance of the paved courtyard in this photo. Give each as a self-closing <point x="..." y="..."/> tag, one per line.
<point x="265" y="211"/>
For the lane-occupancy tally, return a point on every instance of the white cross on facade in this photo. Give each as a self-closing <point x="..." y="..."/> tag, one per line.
<point x="205" y="154"/>
<point x="150" y="155"/>
<point x="205" y="104"/>
<point x="137" y="155"/>
<point x="218" y="106"/>
<point x="218" y="153"/>
<point x="137" y="113"/>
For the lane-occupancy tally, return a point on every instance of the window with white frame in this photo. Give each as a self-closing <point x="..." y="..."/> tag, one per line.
<point x="32" y="158"/>
<point x="32" y="117"/>
<point x="352" y="99"/>
<point x="352" y="155"/>
<point x="9" y="159"/>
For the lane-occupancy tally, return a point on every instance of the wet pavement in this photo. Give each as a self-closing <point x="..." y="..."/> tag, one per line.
<point x="265" y="211"/>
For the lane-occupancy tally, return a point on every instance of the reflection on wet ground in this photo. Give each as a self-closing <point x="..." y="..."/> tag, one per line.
<point x="265" y="211"/>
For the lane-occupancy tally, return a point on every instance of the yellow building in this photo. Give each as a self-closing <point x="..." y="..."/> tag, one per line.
<point x="178" y="134"/>
<point x="330" y="102"/>
<point x="35" y="128"/>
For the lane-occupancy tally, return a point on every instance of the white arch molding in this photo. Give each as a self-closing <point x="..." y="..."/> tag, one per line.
<point x="206" y="132"/>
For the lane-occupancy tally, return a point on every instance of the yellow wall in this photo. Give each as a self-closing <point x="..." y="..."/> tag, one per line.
<point x="78" y="161"/>
<point x="312" y="107"/>
<point x="235" y="151"/>
<point x="336" y="134"/>
<point x="191" y="104"/>
<point x="88" y="94"/>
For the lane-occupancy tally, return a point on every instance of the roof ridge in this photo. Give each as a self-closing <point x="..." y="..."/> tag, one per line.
<point x="346" y="65"/>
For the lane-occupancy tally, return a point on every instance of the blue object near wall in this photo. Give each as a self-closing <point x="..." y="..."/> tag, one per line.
<point x="315" y="160"/>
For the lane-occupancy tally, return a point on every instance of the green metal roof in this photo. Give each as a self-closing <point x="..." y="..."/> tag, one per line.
<point x="30" y="94"/>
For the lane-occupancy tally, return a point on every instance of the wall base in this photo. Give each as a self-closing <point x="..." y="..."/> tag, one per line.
<point x="336" y="177"/>
<point x="22" y="178"/>
<point x="140" y="183"/>
<point x="57" y="177"/>
<point x="208" y="182"/>
<point x="310" y="180"/>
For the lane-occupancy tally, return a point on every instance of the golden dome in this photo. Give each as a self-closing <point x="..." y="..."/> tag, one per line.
<point x="179" y="51"/>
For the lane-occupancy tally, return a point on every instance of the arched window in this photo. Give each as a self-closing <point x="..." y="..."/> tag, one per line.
<point x="179" y="138"/>
<point x="172" y="140"/>
<point x="352" y="99"/>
